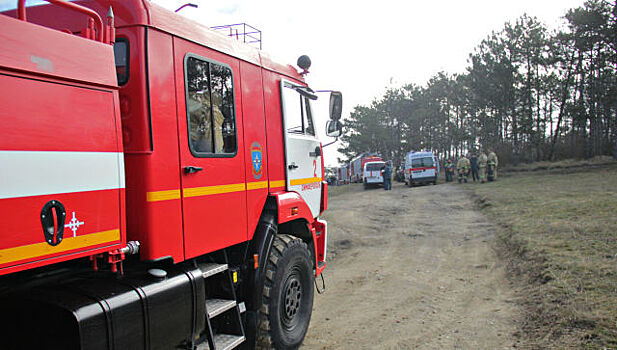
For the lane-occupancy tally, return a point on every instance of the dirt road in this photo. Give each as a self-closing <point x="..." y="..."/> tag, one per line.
<point x="412" y="268"/>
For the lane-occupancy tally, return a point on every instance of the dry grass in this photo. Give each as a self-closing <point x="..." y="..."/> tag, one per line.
<point x="334" y="191"/>
<point x="562" y="164"/>
<point x="560" y="232"/>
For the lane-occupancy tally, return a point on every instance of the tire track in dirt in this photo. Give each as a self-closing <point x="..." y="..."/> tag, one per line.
<point x="412" y="268"/>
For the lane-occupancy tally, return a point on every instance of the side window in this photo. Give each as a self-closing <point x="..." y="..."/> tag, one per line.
<point x="121" y="56"/>
<point x="308" y="117"/>
<point x="297" y="111"/>
<point x="210" y="108"/>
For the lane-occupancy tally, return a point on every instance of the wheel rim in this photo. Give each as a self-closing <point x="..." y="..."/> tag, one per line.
<point x="292" y="297"/>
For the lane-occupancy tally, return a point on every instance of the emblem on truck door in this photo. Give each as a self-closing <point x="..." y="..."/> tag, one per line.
<point x="256" y="160"/>
<point x="74" y="224"/>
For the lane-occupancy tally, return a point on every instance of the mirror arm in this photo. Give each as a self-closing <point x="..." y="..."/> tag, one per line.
<point x="328" y="144"/>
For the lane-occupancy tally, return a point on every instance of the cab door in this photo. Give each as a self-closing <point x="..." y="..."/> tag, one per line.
<point x="211" y="149"/>
<point x="302" y="148"/>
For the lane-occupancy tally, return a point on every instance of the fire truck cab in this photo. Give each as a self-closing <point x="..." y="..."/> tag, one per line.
<point x="162" y="183"/>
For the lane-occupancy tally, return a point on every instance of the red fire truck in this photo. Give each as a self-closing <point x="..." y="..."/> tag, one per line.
<point x="161" y="183"/>
<point x="356" y="166"/>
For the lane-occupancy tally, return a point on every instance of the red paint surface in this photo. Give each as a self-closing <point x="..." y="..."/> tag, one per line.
<point x="156" y="225"/>
<point x="153" y="121"/>
<point x="27" y="47"/>
<point x="217" y="221"/>
<point x="254" y="132"/>
<point x="66" y="103"/>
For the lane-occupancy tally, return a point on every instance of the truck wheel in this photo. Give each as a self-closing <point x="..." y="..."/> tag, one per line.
<point x="287" y="296"/>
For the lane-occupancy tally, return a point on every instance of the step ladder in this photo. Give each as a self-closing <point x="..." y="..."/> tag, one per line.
<point x="224" y="330"/>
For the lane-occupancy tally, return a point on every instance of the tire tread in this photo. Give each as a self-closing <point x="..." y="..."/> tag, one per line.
<point x="281" y="243"/>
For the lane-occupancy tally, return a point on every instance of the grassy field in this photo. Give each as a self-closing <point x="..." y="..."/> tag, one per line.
<point x="558" y="229"/>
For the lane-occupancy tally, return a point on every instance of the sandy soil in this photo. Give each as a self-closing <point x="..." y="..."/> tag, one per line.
<point x="412" y="268"/>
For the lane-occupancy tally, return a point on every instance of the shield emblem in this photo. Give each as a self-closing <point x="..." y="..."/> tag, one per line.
<point x="256" y="160"/>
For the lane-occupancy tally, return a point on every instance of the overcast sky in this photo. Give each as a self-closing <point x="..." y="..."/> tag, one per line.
<point x="362" y="47"/>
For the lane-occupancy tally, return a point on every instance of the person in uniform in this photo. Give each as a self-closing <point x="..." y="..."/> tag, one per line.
<point x="462" y="166"/>
<point x="474" y="167"/>
<point x="387" y="176"/>
<point x="494" y="162"/>
<point x="482" y="162"/>
<point x="449" y="167"/>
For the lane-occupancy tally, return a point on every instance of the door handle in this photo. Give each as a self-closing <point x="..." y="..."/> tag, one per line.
<point x="316" y="153"/>
<point x="192" y="169"/>
<point x="292" y="166"/>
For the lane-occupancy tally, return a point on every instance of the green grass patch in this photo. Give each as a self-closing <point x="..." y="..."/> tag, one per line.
<point x="560" y="232"/>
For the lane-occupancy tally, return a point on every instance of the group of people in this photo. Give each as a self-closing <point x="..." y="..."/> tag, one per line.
<point x="481" y="167"/>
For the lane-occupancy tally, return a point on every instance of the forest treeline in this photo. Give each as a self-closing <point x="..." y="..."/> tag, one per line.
<point x="529" y="92"/>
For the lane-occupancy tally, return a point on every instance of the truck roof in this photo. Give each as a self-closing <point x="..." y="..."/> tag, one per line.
<point x="145" y="13"/>
<point x="415" y="154"/>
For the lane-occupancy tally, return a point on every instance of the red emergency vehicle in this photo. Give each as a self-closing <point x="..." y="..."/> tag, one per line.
<point x="161" y="183"/>
<point x="356" y="166"/>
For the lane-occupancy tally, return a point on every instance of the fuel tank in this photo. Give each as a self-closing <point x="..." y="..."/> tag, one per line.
<point x="156" y="309"/>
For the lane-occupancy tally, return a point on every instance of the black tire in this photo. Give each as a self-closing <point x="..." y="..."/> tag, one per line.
<point x="287" y="296"/>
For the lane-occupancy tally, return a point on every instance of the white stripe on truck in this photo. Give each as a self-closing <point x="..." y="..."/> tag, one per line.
<point x="33" y="173"/>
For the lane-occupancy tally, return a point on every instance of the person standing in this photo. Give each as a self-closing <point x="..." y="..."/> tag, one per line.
<point x="482" y="161"/>
<point x="387" y="177"/>
<point x="493" y="162"/>
<point x="449" y="167"/>
<point x="462" y="166"/>
<point x="473" y="160"/>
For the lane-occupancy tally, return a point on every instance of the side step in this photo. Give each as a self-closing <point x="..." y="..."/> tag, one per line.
<point x="216" y="307"/>
<point x="228" y="332"/>
<point x="212" y="269"/>
<point x="223" y="342"/>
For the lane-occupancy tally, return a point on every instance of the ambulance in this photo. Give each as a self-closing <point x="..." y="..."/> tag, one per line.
<point x="371" y="173"/>
<point x="421" y="167"/>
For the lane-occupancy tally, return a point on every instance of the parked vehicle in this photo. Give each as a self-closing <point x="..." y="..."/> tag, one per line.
<point x="161" y="184"/>
<point x="356" y="166"/>
<point x="342" y="174"/>
<point x="421" y="167"/>
<point x="372" y="175"/>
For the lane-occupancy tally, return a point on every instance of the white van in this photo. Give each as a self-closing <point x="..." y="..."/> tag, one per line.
<point x="421" y="167"/>
<point x="371" y="174"/>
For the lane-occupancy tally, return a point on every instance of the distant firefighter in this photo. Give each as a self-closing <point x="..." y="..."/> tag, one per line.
<point x="449" y="166"/>
<point x="482" y="163"/>
<point x="474" y="167"/>
<point x="493" y="163"/>
<point x="462" y="166"/>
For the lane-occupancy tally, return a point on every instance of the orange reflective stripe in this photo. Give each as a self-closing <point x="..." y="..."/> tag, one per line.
<point x="210" y="190"/>
<point x="277" y="183"/>
<point x="70" y="243"/>
<point x="156" y="196"/>
<point x="310" y="180"/>
<point x="256" y="185"/>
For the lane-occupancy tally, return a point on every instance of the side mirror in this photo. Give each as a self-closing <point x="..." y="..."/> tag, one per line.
<point x="334" y="128"/>
<point x="336" y="105"/>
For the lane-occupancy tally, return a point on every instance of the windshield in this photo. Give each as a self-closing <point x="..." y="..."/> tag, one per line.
<point x="425" y="162"/>
<point x="374" y="166"/>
